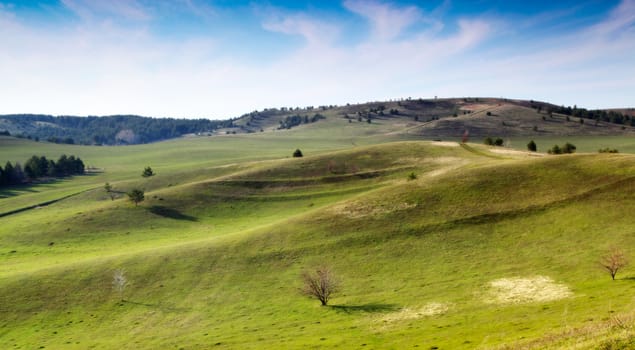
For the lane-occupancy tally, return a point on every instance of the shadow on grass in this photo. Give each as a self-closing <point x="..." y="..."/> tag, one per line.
<point x="16" y="190"/>
<point x="37" y="185"/>
<point x="367" y="308"/>
<point x="170" y="213"/>
<point x="157" y="306"/>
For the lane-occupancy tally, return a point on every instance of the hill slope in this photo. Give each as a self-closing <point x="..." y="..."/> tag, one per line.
<point x="481" y="250"/>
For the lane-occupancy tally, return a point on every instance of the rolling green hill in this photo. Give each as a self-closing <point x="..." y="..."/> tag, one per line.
<point x="437" y="245"/>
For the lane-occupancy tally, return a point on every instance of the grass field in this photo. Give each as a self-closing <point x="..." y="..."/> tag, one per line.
<point x="482" y="250"/>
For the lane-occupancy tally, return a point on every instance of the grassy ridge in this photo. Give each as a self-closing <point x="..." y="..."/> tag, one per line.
<point x="214" y="255"/>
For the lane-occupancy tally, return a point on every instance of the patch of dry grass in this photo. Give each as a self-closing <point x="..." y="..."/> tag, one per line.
<point x="428" y="310"/>
<point x="526" y="290"/>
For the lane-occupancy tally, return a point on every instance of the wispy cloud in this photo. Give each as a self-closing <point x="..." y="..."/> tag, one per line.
<point x="91" y="9"/>
<point x="621" y="17"/>
<point x="387" y="21"/>
<point x="314" y="31"/>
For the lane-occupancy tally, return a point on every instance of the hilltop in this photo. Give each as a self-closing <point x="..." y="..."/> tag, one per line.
<point x="424" y="118"/>
<point x="450" y="118"/>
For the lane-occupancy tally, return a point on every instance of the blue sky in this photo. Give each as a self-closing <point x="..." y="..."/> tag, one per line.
<point x="220" y="59"/>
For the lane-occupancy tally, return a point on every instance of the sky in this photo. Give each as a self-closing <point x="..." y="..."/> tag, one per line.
<point x="221" y="58"/>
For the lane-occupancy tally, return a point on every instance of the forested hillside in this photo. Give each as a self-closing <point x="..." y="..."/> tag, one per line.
<point x="110" y="130"/>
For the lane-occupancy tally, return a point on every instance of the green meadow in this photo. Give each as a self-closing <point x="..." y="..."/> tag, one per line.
<point x="480" y="249"/>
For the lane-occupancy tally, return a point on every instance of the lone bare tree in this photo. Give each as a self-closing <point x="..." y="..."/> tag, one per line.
<point x="613" y="261"/>
<point x="119" y="282"/>
<point x="320" y="284"/>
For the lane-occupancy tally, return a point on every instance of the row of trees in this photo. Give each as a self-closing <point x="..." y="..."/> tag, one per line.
<point x="38" y="167"/>
<point x="564" y="149"/>
<point x="600" y="115"/>
<point x="295" y="120"/>
<point x="493" y="142"/>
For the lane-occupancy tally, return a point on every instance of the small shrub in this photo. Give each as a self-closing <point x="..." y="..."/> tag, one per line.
<point x="531" y="146"/>
<point x="555" y="150"/>
<point x="608" y="150"/>
<point x="147" y="172"/>
<point x="412" y="176"/>
<point x="297" y="153"/>
<point x="568" y="148"/>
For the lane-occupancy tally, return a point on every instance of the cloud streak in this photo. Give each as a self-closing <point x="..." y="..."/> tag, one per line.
<point x="92" y="9"/>
<point x="387" y="21"/>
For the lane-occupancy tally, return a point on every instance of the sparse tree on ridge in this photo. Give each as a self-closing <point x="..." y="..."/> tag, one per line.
<point x="320" y="284"/>
<point x="613" y="261"/>
<point x="136" y="196"/>
<point x="531" y="146"/>
<point x="297" y="153"/>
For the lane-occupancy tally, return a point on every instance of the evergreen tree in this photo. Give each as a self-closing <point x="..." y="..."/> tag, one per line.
<point x="7" y="174"/>
<point x="136" y="196"/>
<point x="147" y="172"/>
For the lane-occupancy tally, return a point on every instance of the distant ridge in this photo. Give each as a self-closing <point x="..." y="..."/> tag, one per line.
<point x="108" y="130"/>
<point x="429" y="118"/>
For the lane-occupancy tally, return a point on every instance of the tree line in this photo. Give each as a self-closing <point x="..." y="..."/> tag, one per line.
<point x="39" y="167"/>
<point x="295" y="120"/>
<point x="106" y="130"/>
<point x="597" y="115"/>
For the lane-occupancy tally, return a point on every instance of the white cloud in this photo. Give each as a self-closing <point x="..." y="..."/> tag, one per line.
<point x="388" y="21"/>
<point x="315" y="32"/>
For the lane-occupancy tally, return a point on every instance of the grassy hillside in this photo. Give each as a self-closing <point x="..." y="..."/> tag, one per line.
<point x="482" y="250"/>
<point x="446" y="118"/>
